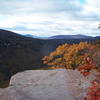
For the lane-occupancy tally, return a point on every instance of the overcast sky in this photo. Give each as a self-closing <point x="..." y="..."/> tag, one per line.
<point x="50" y="17"/>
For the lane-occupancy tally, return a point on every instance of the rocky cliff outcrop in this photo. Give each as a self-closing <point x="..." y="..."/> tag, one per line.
<point x="57" y="84"/>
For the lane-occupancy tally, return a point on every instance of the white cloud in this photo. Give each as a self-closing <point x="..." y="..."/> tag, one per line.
<point x="91" y="10"/>
<point x="50" y="17"/>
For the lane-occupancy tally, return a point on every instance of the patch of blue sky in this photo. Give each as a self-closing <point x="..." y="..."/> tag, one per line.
<point x="82" y="1"/>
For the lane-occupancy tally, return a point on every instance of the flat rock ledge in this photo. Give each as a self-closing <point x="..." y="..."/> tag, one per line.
<point x="59" y="84"/>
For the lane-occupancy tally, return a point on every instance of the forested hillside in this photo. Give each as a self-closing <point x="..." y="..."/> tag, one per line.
<point x="19" y="53"/>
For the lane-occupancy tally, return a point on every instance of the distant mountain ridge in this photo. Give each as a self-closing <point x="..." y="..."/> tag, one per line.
<point x="78" y="36"/>
<point x="97" y="37"/>
<point x="32" y="36"/>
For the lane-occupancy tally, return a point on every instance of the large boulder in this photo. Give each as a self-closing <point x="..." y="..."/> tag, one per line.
<point x="57" y="84"/>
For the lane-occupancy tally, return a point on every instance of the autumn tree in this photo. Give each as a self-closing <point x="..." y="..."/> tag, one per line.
<point x="56" y="58"/>
<point x="69" y="56"/>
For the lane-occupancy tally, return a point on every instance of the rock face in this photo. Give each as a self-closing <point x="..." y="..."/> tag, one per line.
<point x="57" y="84"/>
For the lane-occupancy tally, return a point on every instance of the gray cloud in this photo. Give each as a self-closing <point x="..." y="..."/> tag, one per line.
<point x="35" y="6"/>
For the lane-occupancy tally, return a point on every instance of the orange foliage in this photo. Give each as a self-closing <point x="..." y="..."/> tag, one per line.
<point x="69" y="56"/>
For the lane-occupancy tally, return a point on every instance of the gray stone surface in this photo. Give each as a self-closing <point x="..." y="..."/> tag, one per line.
<point x="57" y="84"/>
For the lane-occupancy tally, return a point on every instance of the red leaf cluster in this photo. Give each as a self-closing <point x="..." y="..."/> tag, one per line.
<point x="94" y="90"/>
